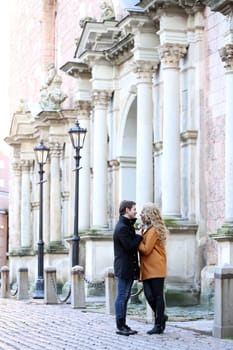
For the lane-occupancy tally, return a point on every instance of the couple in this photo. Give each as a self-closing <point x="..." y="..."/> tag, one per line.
<point x="150" y="242"/>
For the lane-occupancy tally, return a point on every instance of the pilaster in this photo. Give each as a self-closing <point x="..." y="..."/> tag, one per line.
<point x="26" y="228"/>
<point x="83" y="115"/>
<point x="170" y="56"/>
<point x="100" y="102"/>
<point x="144" y="180"/>
<point x="225" y="233"/>
<point x="55" y="193"/>
<point x="15" y="213"/>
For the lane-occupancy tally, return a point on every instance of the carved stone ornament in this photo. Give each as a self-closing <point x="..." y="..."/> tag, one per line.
<point x="51" y="95"/>
<point x="226" y="54"/>
<point x="86" y="19"/>
<point x="107" y="11"/>
<point x="172" y="53"/>
<point x="22" y="107"/>
<point x="192" y="6"/>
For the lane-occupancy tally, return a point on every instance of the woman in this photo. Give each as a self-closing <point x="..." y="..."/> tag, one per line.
<point x="153" y="263"/>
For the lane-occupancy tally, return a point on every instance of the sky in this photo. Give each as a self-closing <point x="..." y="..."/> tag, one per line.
<point x="4" y="75"/>
<point x="130" y="4"/>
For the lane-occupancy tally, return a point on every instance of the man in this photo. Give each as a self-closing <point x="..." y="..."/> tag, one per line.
<point x="126" y="267"/>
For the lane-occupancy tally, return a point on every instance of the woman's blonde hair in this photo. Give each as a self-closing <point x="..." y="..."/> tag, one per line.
<point x="153" y="215"/>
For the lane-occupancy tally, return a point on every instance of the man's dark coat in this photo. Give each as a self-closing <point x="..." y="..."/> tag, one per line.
<point x="126" y="242"/>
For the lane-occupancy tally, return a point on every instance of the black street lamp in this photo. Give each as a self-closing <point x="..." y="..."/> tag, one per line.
<point x="77" y="136"/>
<point x="41" y="152"/>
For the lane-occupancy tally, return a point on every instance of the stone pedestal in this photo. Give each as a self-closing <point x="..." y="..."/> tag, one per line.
<point x="223" y="315"/>
<point x="224" y="237"/>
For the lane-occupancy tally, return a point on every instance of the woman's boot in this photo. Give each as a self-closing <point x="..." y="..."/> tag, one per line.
<point x="158" y="327"/>
<point x="164" y="320"/>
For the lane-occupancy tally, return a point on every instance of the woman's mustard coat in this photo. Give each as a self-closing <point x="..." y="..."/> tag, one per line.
<point x="153" y="262"/>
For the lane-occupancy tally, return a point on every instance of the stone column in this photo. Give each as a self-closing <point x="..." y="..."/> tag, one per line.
<point x="26" y="229"/>
<point x="226" y="54"/>
<point x="100" y="101"/>
<point x="55" y="193"/>
<point x="158" y="154"/>
<point x="224" y="235"/>
<point x="170" y="57"/>
<point x="144" y="170"/>
<point x="84" y="109"/>
<point x="15" y="222"/>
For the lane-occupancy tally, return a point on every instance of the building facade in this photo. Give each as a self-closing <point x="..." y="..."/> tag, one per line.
<point x="4" y="204"/>
<point x="151" y="82"/>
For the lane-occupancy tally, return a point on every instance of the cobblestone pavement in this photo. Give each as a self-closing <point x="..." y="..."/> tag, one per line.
<point x="32" y="325"/>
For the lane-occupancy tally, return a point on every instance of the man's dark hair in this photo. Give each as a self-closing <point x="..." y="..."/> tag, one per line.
<point x="125" y="204"/>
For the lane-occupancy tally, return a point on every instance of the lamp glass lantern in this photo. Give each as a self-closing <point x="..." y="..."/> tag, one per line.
<point x="41" y="152"/>
<point x="77" y="135"/>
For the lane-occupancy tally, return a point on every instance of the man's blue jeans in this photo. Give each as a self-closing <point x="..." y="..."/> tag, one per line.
<point x="123" y="295"/>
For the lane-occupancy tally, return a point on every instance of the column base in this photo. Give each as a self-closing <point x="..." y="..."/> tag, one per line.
<point x="55" y="247"/>
<point x="224" y="237"/>
<point x="22" y="252"/>
<point x="226" y="231"/>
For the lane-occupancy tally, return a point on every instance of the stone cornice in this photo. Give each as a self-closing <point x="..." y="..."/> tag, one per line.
<point x="77" y="69"/>
<point x="121" y="51"/>
<point x="111" y="41"/>
<point x="189" y="6"/>
<point x="223" y="6"/>
<point x="47" y="116"/>
<point x="97" y="36"/>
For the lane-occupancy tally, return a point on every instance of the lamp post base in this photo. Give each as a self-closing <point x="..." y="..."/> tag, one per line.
<point x="39" y="289"/>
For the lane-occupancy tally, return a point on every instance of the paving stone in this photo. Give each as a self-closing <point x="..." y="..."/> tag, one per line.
<point x="34" y="326"/>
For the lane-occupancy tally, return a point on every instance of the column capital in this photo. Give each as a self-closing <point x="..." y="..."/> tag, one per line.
<point x="26" y="164"/>
<point x="16" y="167"/>
<point x="144" y="70"/>
<point x="83" y="108"/>
<point x="101" y="98"/>
<point x="113" y="163"/>
<point x="171" y="54"/>
<point x="189" y="137"/>
<point x="55" y="149"/>
<point x="158" y="148"/>
<point x="226" y="54"/>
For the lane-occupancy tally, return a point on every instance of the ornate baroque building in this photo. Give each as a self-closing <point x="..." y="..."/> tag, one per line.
<point x="152" y="83"/>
